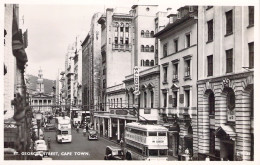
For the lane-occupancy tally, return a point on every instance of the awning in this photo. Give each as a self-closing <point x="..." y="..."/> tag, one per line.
<point x="225" y="130"/>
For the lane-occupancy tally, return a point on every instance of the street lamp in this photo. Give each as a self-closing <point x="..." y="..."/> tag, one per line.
<point x="38" y="118"/>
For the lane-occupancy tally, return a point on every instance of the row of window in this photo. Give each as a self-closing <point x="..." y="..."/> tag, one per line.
<point x="144" y="133"/>
<point x="146" y="99"/>
<point x="147" y="63"/>
<point x="229" y="60"/>
<point x="115" y="103"/>
<point x="176" y="45"/>
<point x="174" y="99"/>
<point x="229" y="22"/>
<point x="147" y="48"/>
<point x="147" y="34"/>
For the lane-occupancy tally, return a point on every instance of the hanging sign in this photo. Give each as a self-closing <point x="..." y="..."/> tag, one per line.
<point x="136" y="80"/>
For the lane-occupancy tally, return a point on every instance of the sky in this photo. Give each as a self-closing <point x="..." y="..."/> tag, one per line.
<point x="52" y="27"/>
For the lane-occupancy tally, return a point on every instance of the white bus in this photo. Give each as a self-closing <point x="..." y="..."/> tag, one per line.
<point x="146" y="142"/>
<point x="63" y="129"/>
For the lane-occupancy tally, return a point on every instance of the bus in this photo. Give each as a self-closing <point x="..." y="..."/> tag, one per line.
<point x="63" y="129"/>
<point x="145" y="142"/>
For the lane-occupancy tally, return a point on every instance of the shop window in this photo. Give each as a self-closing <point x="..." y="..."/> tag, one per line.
<point x="229" y="22"/>
<point x="210" y="65"/>
<point x="251" y="13"/>
<point x="210" y="30"/>
<point x="251" y="55"/>
<point x="229" y="60"/>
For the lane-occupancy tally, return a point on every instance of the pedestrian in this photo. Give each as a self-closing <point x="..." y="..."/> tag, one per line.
<point x="121" y="142"/>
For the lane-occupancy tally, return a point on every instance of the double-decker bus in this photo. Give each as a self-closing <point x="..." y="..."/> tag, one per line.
<point x="63" y="129"/>
<point x="146" y="142"/>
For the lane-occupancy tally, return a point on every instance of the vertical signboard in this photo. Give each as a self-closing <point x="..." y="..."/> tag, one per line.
<point x="136" y="80"/>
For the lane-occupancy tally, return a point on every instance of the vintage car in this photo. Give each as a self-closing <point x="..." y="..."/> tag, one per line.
<point x="40" y="147"/>
<point x="49" y="127"/>
<point x="114" y="153"/>
<point x="92" y="135"/>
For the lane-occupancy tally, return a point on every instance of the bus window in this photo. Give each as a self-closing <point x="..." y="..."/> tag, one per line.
<point x="162" y="152"/>
<point x="161" y="133"/>
<point x="153" y="152"/>
<point x="65" y="132"/>
<point x="152" y="133"/>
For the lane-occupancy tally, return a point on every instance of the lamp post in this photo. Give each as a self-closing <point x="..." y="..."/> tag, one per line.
<point x="38" y="118"/>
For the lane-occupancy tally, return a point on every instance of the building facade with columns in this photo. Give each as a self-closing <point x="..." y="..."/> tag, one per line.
<point x="226" y="82"/>
<point x="178" y="78"/>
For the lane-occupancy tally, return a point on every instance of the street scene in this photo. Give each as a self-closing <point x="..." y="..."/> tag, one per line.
<point x="131" y="80"/>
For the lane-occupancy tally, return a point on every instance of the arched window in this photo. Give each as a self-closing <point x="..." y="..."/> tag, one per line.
<point x="152" y="33"/>
<point x="211" y="104"/>
<point x="152" y="48"/>
<point x="147" y="33"/>
<point x="152" y="98"/>
<point x="142" y="33"/>
<point x="231" y="99"/>
<point x="147" y="63"/>
<point x="122" y="27"/>
<point x="152" y="63"/>
<point x="142" y="48"/>
<point x="147" y="48"/>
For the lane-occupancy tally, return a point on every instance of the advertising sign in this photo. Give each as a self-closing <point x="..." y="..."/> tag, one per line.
<point x="136" y="80"/>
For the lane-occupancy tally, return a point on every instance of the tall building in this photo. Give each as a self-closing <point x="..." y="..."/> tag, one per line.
<point x="226" y="82"/>
<point x="178" y="78"/>
<point x="91" y="65"/>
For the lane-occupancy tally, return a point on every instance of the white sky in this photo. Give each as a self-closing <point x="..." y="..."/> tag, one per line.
<point x="52" y="26"/>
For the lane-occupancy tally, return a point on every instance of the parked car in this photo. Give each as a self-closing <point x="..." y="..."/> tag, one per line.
<point x="113" y="153"/>
<point x="92" y="135"/>
<point x="40" y="147"/>
<point x="49" y="127"/>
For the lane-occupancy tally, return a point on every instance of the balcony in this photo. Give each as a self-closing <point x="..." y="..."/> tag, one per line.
<point x="122" y="47"/>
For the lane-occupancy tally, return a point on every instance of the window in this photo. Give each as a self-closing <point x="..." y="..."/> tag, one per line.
<point x="152" y="48"/>
<point x="187" y="68"/>
<point x="152" y="63"/>
<point x="152" y="134"/>
<point x="152" y="33"/>
<point x="231" y="99"/>
<point x="121" y="40"/>
<point x="210" y="65"/>
<point x="147" y="33"/>
<point x="126" y="41"/>
<point x="147" y="48"/>
<point x="121" y="103"/>
<point x="142" y="48"/>
<point x="229" y="22"/>
<point x="175" y="71"/>
<point x="153" y="152"/>
<point x="229" y="60"/>
<point x="252" y="103"/>
<point x="165" y="50"/>
<point x="133" y="96"/>
<point x="187" y="98"/>
<point x="176" y="45"/>
<point x="108" y="103"/>
<point x="211" y="104"/>
<point x="122" y="27"/>
<point x="161" y="133"/>
<point x="116" y="29"/>
<point x="175" y="99"/>
<point x="212" y="141"/>
<point x="165" y="74"/>
<point x="251" y="15"/>
<point x="164" y="99"/>
<point x="147" y="63"/>
<point x="142" y="33"/>
<point x="116" y="102"/>
<point x="145" y="99"/>
<point x="210" y="30"/>
<point x="126" y="29"/>
<point x="251" y="55"/>
<point x="187" y="40"/>
<point x="152" y="99"/>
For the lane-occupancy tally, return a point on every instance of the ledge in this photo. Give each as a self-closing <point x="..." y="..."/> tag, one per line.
<point x="228" y="34"/>
<point x="209" y="41"/>
<point x="249" y="26"/>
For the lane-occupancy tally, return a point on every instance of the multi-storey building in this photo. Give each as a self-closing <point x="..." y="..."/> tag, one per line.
<point x="178" y="78"/>
<point x="226" y="82"/>
<point x="91" y="57"/>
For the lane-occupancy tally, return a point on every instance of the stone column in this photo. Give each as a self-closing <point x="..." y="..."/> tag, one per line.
<point x="118" y="129"/>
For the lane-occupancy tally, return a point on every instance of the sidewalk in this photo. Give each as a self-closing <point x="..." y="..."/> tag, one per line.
<point x="170" y="158"/>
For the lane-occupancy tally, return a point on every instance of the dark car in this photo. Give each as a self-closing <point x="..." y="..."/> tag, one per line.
<point x="49" y="127"/>
<point x="114" y="153"/>
<point x="92" y="135"/>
